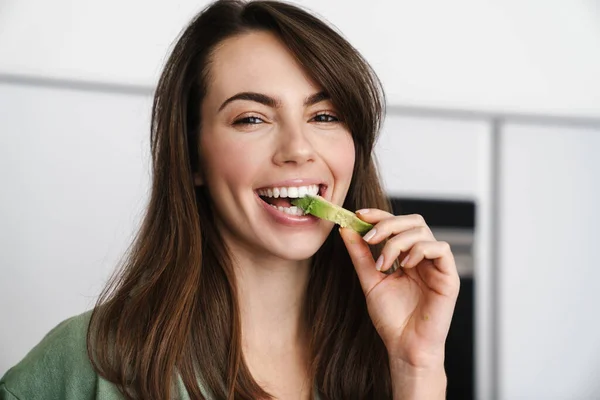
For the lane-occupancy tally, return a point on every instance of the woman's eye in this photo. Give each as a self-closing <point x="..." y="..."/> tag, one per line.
<point x="325" y="118"/>
<point x="248" y="121"/>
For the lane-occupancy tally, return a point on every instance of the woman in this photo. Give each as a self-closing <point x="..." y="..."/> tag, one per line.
<point x="228" y="291"/>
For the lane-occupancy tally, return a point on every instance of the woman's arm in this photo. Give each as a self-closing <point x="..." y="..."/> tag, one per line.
<point x="409" y="382"/>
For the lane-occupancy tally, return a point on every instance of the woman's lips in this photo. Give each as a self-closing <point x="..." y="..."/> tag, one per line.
<point x="287" y="219"/>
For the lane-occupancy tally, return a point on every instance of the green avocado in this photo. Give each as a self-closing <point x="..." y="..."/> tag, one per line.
<point x="319" y="207"/>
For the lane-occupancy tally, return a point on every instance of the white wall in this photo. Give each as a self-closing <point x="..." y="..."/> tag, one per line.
<point x="74" y="173"/>
<point x="536" y="56"/>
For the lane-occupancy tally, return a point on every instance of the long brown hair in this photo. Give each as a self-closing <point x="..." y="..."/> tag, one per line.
<point x="170" y="312"/>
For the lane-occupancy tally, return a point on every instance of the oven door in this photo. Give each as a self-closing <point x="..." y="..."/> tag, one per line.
<point x="453" y="222"/>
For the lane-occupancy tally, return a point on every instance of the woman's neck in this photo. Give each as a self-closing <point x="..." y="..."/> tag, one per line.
<point x="271" y="296"/>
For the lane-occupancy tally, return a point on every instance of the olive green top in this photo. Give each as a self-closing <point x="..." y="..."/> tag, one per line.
<point x="59" y="368"/>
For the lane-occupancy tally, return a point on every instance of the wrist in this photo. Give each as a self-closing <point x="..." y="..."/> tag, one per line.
<point x="418" y="382"/>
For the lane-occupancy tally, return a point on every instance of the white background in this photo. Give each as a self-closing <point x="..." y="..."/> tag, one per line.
<point x="510" y="55"/>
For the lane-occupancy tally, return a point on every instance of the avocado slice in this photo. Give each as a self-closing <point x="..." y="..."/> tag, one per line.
<point x="319" y="207"/>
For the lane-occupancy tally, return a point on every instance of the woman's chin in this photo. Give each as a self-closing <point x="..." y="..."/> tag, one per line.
<point x="297" y="251"/>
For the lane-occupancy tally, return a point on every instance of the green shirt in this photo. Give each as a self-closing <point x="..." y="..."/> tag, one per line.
<point x="59" y="368"/>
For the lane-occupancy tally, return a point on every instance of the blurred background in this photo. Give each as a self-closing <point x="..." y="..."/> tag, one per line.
<point x="492" y="132"/>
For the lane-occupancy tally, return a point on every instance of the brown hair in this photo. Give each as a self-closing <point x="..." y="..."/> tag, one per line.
<point x="171" y="310"/>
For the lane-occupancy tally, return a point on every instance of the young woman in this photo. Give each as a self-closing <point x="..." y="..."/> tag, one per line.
<point x="229" y="292"/>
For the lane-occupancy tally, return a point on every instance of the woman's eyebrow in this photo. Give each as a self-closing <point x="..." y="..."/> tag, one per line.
<point x="270" y="101"/>
<point x="316" y="98"/>
<point x="252" y="96"/>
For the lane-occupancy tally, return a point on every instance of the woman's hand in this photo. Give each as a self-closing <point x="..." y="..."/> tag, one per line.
<point x="411" y="308"/>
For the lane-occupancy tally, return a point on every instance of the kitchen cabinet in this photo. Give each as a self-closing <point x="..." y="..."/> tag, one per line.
<point x="548" y="274"/>
<point x="434" y="157"/>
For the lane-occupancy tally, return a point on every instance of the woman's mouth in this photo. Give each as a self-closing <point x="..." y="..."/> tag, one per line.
<point x="279" y="197"/>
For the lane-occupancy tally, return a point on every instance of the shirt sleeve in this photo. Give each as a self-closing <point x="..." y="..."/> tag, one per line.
<point x="6" y="394"/>
<point x="58" y="367"/>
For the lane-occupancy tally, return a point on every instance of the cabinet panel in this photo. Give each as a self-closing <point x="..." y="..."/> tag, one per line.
<point x="434" y="157"/>
<point x="548" y="265"/>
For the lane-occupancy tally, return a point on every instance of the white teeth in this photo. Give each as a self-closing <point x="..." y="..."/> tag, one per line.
<point x="295" y="211"/>
<point x="290" y="192"/>
<point x="289" y="210"/>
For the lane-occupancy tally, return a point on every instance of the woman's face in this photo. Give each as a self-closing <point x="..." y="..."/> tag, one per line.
<point x="267" y="129"/>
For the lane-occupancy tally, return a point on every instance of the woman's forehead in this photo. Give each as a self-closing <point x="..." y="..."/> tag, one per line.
<point x="257" y="62"/>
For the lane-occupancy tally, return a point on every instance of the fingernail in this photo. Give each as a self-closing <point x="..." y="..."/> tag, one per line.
<point x="369" y="235"/>
<point x="379" y="263"/>
<point x="363" y="211"/>
<point x="403" y="262"/>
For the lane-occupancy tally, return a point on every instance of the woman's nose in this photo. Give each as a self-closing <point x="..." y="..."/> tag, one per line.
<point x="293" y="146"/>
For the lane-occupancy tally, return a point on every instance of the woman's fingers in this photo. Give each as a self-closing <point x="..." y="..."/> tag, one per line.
<point x="399" y="245"/>
<point x="373" y="214"/>
<point x="405" y="230"/>
<point x="440" y="283"/>
<point x="410" y="241"/>
<point x="439" y="253"/>
<point x="435" y="262"/>
<point x="386" y="224"/>
<point x="362" y="258"/>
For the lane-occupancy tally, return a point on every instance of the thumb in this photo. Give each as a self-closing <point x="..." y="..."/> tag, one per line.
<point x="362" y="258"/>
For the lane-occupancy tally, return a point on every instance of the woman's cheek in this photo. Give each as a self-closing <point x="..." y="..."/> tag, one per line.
<point x="228" y="157"/>
<point x="342" y="158"/>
